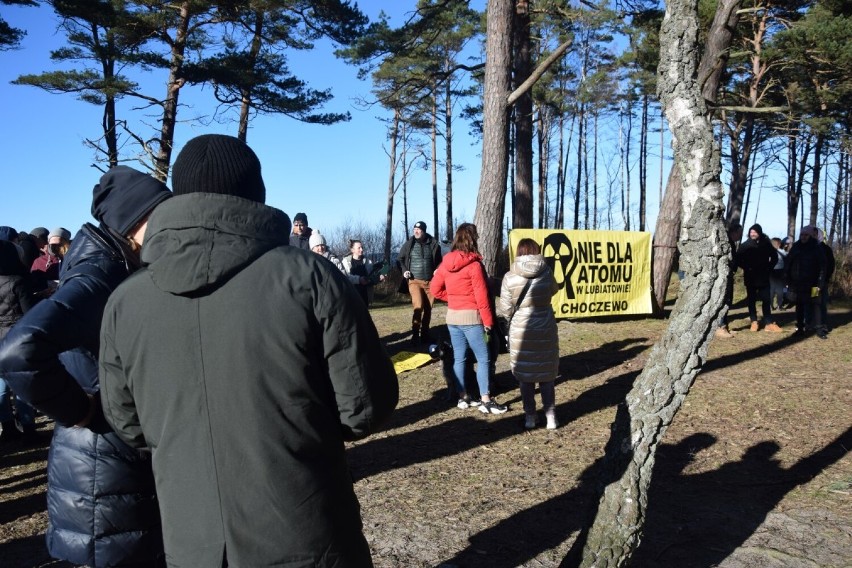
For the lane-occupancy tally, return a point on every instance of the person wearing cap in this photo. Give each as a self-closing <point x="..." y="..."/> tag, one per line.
<point x="320" y="246"/>
<point x="101" y="500"/>
<point x="806" y="275"/>
<point x="243" y="365"/>
<point x="301" y="235"/>
<point x="418" y="259"/>
<point x="48" y="264"/>
<point x="756" y="256"/>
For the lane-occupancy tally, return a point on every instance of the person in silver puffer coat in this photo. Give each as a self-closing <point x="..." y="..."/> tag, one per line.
<point x="533" y="338"/>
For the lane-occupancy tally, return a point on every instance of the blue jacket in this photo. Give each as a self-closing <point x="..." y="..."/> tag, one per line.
<point x="102" y="506"/>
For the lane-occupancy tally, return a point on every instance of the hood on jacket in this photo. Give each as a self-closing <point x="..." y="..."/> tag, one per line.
<point x="456" y="260"/>
<point x="528" y="265"/>
<point x="196" y="242"/>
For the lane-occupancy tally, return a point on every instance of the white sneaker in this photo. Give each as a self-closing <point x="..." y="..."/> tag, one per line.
<point x="551" y="421"/>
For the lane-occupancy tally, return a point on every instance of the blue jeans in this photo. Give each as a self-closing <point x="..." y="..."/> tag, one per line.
<point x="473" y="336"/>
<point x="26" y="414"/>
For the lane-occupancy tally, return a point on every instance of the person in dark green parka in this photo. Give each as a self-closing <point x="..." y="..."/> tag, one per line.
<point x="243" y="364"/>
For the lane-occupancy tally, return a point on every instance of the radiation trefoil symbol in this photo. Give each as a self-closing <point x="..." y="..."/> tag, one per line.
<point x="558" y="252"/>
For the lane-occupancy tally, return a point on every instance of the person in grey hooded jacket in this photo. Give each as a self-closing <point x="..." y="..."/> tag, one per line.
<point x="533" y="338"/>
<point x="243" y="364"/>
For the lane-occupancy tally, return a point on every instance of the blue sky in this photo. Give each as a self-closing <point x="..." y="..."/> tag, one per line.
<point x="336" y="174"/>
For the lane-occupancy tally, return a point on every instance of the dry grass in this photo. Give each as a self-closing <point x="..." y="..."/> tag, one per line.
<point x="753" y="472"/>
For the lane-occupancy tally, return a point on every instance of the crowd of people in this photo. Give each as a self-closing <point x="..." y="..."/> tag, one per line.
<point x="781" y="273"/>
<point x="192" y="427"/>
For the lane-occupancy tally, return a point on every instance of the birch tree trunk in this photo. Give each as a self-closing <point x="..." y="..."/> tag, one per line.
<point x="713" y="63"/>
<point x="651" y="405"/>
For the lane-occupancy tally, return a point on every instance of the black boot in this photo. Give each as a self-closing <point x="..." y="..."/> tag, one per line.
<point x="415" y="338"/>
<point x="424" y="335"/>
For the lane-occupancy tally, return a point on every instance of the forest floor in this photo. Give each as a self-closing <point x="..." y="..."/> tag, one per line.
<point x="754" y="472"/>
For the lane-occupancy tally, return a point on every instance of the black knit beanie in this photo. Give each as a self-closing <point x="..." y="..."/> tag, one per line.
<point x="216" y="163"/>
<point x="301" y="218"/>
<point x="125" y="196"/>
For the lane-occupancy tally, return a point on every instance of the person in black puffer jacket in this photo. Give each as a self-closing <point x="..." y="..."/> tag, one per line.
<point x="101" y="501"/>
<point x="805" y="270"/>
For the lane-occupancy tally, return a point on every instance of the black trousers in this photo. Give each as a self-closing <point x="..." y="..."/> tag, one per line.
<point x="755" y="293"/>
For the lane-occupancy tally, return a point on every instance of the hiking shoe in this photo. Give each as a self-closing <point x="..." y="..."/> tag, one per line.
<point x="531" y="421"/>
<point x="773" y="327"/>
<point x="724" y="333"/>
<point x="800" y="332"/>
<point x="492" y="407"/>
<point x="822" y="334"/>
<point x="755" y="326"/>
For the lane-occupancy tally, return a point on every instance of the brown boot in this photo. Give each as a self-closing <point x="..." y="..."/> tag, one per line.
<point x="773" y="327"/>
<point x="724" y="333"/>
<point x="755" y="326"/>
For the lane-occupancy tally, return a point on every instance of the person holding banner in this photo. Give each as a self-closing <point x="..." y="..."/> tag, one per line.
<point x="460" y="280"/>
<point x="525" y="301"/>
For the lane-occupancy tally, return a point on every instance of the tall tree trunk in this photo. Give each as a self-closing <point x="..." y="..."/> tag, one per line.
<point x="651" y="405"/>
<point x="817" y="169"/>
<point x="394" y="134"/>
<point x="643" y="161"/>
<point x="625" y="198"/>
<point x="491" y="199"/>
<point x="163" y="159"/>
<point x="665" y="241"/>
<point x="740" y="161"/>
<point x="434" y="137"/>
<point x="713" y="63"/>
<point x="792" y="195"/>
<point x="558" y="213"/>
<point x="522" y="215"/>
<point x="245" y="93"/>
<point x="581" y="140"/>
<point x="544" y="125"/>
<point x="595" y="172"/>
<point x="838" y="203"/>
<point x="448" y="122"/>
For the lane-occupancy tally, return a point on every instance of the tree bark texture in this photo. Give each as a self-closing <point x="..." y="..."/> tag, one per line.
<point x="713" y="62"/>
<point x="522" y="215"/>
<point x="163" y="159"/>
<point x="491" y="200"/>
<point x="659" y="391"/>
<point x="448" y="138"/>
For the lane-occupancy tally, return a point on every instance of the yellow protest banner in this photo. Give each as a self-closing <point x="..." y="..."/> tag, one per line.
<point x="600" y="273"/>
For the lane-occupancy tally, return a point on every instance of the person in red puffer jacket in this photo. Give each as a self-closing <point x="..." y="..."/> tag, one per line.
<point x="460" y="280"/>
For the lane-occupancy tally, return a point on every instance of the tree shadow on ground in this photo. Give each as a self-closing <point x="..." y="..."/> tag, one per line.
<point x="545" y="526"/>
<point x="442" y="440"/>
<point x="698" y="520"/>
<point x="693" y="521"/>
